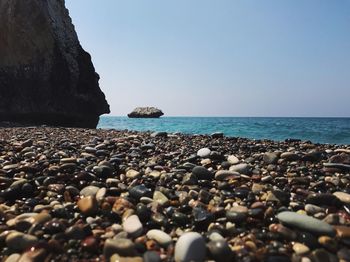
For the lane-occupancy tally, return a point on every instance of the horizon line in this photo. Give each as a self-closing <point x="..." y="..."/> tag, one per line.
<point x="227" y="116"/>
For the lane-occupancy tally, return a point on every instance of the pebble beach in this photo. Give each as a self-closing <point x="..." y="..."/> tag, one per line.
<point x="106" y="195"/>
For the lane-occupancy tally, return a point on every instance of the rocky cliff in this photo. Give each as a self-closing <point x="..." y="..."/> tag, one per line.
<point x="45" y="75"/>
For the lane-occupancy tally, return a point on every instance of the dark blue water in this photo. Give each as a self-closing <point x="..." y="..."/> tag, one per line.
<point x="318" y="130"/>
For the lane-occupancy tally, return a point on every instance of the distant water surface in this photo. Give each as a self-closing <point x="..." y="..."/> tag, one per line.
<point x="318" y="130"/>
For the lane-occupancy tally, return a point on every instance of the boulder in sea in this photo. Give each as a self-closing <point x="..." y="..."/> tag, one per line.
<point x="146" y="112"/>
<point x="45" y="75"/>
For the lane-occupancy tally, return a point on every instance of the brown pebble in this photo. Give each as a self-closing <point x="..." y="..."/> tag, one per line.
<point x="88" y="205"/>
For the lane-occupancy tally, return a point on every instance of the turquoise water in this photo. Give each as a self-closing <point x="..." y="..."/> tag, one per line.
<point x="318" y="130"/>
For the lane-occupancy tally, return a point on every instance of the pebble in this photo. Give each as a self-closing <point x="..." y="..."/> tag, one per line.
<point x="300" y="249"/>
<point x="151" y="256"/>
<point x="19" y="241"/>
<point x="204" y="152"/>
<point x="304" y="222"/>
<point x="13" y="257"/>
<point x="233" y="160"/>
<point x="190" y="247"/>
<point x="160" y="198"/>
<point x="220" y="251"/>
<point x="344" y="197"/>
<point x="223" y="175"/>
<point x="160" y="236"/>
<point x="202" y="173"/>
<point x="133" y="174"/>
<point x="133" y="226"/>
<point x="241" y="168"/>
<point x="75" y="193"/>
<point x="270" y="158"/>
<point x="88" y="205"/>
<point x="89" y="191"/>
<point x="123" y="247"/>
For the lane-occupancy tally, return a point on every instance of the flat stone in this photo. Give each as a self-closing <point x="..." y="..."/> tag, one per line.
<point x="190" y="247"/>
<point x="344" y="197"/>
<point x="133" y="226"/>
<point x="289" y="156"/>
<point x="160" y="236"/>
<point x="19" y="241"/>
<point x="241" y="168"/>
<point x="117" y="258"/>
<point x="307" y="223"/>
<point x="204" y="152"/>
<point x="223" y="175"/>
<point x="13" y="257"/>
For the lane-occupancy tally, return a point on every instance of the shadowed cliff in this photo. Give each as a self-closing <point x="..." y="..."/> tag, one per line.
<point x="45" y="75"/>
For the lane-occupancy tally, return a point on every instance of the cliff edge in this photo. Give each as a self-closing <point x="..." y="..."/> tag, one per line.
<point x="45" y="75"/>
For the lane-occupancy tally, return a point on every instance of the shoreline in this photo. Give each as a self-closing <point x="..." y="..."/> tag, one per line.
<point x="89" y="194"/>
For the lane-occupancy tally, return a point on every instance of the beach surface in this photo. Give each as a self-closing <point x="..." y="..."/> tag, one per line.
<point x="106" y="195"/>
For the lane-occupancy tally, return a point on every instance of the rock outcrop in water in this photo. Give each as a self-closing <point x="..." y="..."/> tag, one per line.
<point x="146" y="112"/>
<point x="45" y="75"/>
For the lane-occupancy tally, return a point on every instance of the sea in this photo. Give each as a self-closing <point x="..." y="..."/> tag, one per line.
<point x="317" y="130"/>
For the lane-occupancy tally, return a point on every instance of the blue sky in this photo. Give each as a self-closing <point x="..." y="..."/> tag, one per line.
<point x="220" y="57"/>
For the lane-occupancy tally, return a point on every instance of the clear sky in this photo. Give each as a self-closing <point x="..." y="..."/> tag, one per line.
<point x="220" y="57"/>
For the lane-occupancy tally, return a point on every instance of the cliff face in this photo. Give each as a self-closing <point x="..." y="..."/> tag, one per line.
<point x="45" y="75"/>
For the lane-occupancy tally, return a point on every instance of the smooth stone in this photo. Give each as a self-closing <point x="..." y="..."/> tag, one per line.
<point x="233" y="160"/>
<point x="140" y="191"/>
<point x="300" y="249"/>
<point x="40" y="218"/>
<point x="215" y="236"/>
<point x="313" y="209"/>
<point x="307" y="223"/>
<point x="204" y="152"/>
<point x="131" y="173"/>
<point x="151" y="256"/>
<point x="289" y="156"/>
<point x="343" y="232"/>
<point x="89" y="191"/>
<point x="160" y="236"/>
<point x="117" y="258"/>
<point x="223" y="175"/>
<point x="190" y="247"/>
<point x="133" y="226"/>
<point x="160" y="198"/>
<point x="20" y="241"/>
<point x="270" y="158"/>
<point x="34" y="255"/>
<point x="103" y="171"/>
<point x="344" y="197"/>
<point x="13" y="258"/>
<point x="202" y="173"/>
<point x="122" y="246"/>
<point x="241" y="168"/>
<point x="88" y="205"/>
<point x="324" y="200"/>
<point x="220" y="251"/>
